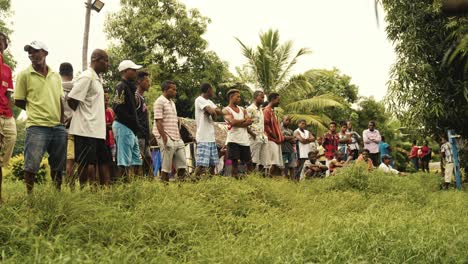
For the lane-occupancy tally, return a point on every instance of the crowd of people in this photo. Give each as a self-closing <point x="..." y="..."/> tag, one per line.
<point x="100" y="140"/>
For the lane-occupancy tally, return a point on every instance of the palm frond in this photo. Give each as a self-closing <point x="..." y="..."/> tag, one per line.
<point x="316" y="103"/>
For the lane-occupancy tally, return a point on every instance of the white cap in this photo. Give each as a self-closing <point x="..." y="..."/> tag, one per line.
<point x="128" y="64"/>
<point x="37" y="45"/>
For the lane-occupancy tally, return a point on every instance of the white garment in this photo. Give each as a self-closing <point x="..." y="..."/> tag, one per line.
<point x="387" y="169"/>
<point x="205" y="124"/>
<point x="304" y="149"/>
<point x="67" y="111"/>
<point x="274" y="156"/>
<point x="238" y="135"/>
<point x="89" y="119"/>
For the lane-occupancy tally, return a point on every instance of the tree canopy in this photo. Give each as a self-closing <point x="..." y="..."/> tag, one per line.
<point x="423" y="91"/>
<point x="166" y="37"/>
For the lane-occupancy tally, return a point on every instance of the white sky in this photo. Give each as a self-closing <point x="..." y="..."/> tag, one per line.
<point x="341" y="33"/>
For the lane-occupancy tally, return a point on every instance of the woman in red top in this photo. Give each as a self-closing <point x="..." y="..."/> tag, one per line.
<point x="413" y="156"/>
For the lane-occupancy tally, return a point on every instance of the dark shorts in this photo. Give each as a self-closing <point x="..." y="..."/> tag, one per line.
<point x="91" y="151"/>
<point x="238" y="152"/>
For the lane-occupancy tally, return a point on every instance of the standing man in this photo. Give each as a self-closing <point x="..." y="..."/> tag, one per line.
<point x="345" y="139"/>
<point x="287" y="148"/>
<point x="447" y="154"/>
<point x="330" y="143"/>
<point x="166" y="130"/>
<point x="66" y="72"/>
<point x="258" y="139"/>
<point x="7" y="121"/>
<point x="384" y="148"/>
<point x="205" y="114"/>
<point x="371" y="138"/>
<point x="275" y="137"/>
<point x="39" y="92"/>
<point x="354" y="145"/>
<point x="304" y="138"/>
<point x="143" y="84"/>
<point x="88" y="124"/>
<point x="237" y="138"/>
<point x="126" y="126"/>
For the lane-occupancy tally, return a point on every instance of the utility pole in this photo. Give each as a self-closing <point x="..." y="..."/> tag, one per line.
<point x="86" y="35"/>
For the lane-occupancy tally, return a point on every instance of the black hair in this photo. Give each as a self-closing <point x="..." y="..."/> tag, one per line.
<point x="372" y="122"/>
<point x="6" y="39"/>
<point x="343" y="123"/>
<point x="415" y="142"/>
<point x="383" y="138"/>
<point x="273" y="96"/>
<point x="66" y="69"/>
<point x="332" y="123"/>
<point x="365" y="150"/>
<point x="312" y="152"/>
<point x="301" y="120"/>
<point x="257" y="93"/>
<point x="166" y="84"/>
<point x="141" y="75"/>
<point x="205" y="87"/>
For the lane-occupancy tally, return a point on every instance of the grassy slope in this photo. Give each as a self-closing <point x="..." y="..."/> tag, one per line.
<point x="353" y="217"/>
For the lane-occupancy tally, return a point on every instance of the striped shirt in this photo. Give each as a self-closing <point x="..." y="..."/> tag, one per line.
<point x="446" y="148"/>
<point x="165" y="109"/>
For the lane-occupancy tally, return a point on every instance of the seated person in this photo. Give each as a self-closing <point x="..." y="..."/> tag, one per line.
<point x="386" y="167"/>
<point x="365" y="157"/>
<point x="312" y="167"/>
<point x="338" y="161"/>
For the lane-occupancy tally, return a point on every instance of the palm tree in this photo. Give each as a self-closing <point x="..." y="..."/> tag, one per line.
<point x="271" y="61"/>
<point x="269" y="67"/>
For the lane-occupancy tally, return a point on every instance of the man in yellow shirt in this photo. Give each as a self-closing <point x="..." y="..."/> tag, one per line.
<point x="39" y="91"/>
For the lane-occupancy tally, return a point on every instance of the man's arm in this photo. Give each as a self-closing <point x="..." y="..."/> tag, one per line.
<point x="160" y="127"/>
<point x="234" y="122"/>
<point x="298" y="136"/>
<point x="267" y="116"/>
<point x="365" y="138"/>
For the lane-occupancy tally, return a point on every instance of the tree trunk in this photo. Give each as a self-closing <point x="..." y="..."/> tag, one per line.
<point x="86" y="36"/>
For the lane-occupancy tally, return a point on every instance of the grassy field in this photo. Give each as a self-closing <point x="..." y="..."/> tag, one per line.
<point x="350" y="218"/>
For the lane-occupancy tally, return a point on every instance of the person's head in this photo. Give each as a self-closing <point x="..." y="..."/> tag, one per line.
<point x="344" y="126"/>
<point x="443" y="139"/>
<point x="274" y="99"/>
<point x="207" y="90"/>
<point x="99" y="61"/>
<point x="313" y="155"/>
<point x="301" y="123"/>
<point x="66" y="71"/>
<point x="350" y="125"/>
<point x="128" y="70"/>
<point x="234" y="96"/>
<point x="106" y="97"/>
<point x="414" y="143"/>
<point x="365" y="154"/>
<point x="320" y="140"/>
<point x="3" y="42"/>
<point x="386" y="159"/>
<point x="332" y="126"/>
<point x="169" y="89"/>
<point x="371" y="125"/>
<point x="286" y="120"/>
<point x="37" y="52"/>
<point x="339" y="155"/>
<point x="143" y="81"/>
<point x="426" y="143"/>
<point x="383" y="139"/>
<point x="258" y="97"/>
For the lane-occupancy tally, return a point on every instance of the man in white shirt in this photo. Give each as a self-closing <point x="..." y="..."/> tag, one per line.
<point x="372" y="138"/>
<point x="205" y="114"/>
<point x="258" y="139"/>
<point x="88" y="124"/>
<point x="386" y="167"/>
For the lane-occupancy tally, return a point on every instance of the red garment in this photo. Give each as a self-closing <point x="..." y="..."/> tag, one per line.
<point x="330" y="144"/>
<point x="110" y="116"/>
<point x="424" y="151"/>
<point x="414" y="152"/>
<point x="6" y="85"/>
<point x="272" y="127"/>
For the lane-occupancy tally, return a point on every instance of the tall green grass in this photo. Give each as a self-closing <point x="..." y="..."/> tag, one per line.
<point x="351" y="217"/>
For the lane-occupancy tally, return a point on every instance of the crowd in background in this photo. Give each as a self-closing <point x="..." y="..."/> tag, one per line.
<point x="96" y="140"/>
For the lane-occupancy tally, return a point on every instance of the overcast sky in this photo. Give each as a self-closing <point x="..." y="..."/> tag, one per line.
<point x="341" y="33"/>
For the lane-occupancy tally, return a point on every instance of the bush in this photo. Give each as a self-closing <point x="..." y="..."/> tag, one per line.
<point x="16" y="166"/>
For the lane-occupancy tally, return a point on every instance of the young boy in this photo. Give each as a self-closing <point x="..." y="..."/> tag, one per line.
<point x="312" y="167"/>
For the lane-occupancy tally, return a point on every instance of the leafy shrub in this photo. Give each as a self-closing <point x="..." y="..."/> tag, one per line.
<point x="16" y="166"/>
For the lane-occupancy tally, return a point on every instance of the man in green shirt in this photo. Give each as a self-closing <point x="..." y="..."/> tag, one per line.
<point x="39" y="91"/>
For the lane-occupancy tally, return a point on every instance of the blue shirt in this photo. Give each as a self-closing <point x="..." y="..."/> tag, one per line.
<point x="383" y="148"/>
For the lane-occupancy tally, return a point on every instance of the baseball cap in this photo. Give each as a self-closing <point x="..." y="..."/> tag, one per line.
<point x="37" y="45"/>
<point x="385" y="156"/>
<point x="128" y="64"/>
